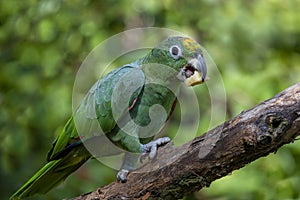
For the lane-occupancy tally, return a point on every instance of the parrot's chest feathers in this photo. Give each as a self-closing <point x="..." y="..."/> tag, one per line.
<point x="156" y="94"/>
<point x="155" y="104"/>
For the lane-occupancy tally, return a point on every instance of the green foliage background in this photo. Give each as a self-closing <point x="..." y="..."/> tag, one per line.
<point x="255" y="44"/>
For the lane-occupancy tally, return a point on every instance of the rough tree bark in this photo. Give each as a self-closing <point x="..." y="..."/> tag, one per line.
<point x="250" y="135"/>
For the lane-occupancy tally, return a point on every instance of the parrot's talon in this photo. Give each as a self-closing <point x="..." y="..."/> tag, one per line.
<point x="122" y="175"/>
<point x="150" y="149"/>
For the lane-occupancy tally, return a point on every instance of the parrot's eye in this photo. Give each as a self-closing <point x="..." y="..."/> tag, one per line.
<point x="175" y="52"/>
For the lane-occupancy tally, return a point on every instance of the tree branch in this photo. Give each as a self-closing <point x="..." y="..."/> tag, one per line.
<point x="250" y="135"/>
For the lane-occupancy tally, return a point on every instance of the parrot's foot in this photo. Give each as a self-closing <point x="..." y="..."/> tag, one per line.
<point x="148" y="150"/>
<point x="151" y="147"/>
<point x="122" y="174"/>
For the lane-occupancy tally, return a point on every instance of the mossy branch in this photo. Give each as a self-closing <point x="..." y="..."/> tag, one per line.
<point x="250" y="135"/>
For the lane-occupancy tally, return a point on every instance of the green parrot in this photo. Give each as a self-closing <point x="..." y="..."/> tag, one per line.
<point x="124" y="109"/>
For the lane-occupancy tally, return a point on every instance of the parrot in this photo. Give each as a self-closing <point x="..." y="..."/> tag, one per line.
<point x="126" y="105"/>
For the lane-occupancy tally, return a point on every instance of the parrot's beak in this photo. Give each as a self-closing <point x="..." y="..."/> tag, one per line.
<point x="194" y="72"/>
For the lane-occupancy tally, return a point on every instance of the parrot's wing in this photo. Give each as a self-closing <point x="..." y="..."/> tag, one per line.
<point x="105" y="104"/>
<point x="108" y="100"/>
<point x="66" y="137"/>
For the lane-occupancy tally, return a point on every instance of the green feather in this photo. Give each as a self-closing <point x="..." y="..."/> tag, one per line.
<point x="53" y="173"/>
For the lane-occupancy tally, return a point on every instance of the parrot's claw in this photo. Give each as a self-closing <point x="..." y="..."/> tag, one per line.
<point x="150" y="148"/>
<point x="122" y="174"/>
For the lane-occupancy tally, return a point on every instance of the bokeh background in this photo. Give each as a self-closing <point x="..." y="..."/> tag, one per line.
<point x="255" y="44"/>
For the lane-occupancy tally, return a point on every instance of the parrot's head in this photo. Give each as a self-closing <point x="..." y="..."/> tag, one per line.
<point x="185" y="56"/>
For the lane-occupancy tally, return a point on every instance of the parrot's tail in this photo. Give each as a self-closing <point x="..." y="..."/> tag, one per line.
<point x="53" y="173"/>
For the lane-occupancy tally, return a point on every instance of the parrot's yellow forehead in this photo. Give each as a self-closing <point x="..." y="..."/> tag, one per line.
<point x="190" y="44"/>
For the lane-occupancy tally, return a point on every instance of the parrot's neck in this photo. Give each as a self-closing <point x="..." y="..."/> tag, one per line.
<point x="159" y="74"/>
